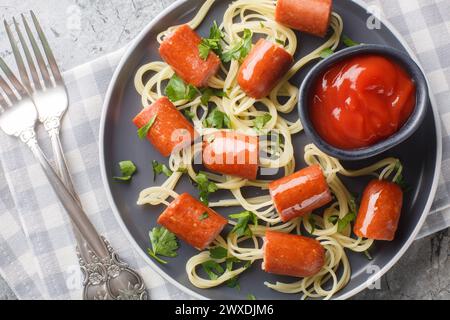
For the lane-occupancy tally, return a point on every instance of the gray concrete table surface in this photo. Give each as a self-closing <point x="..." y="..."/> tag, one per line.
<point x="81" y="30"/>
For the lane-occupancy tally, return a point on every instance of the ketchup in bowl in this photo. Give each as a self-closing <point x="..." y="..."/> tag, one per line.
<point x="361" y="100"/>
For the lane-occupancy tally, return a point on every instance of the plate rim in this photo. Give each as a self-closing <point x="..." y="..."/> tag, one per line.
<point x="105" y="108"/>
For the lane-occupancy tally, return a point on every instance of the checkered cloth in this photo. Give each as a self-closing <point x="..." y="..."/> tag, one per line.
<point x="37" y="254"/>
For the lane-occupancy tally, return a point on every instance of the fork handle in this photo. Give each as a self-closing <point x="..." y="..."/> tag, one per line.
<point x="70" y="203"/>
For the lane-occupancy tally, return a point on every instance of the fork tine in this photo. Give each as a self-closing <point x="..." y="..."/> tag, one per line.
<point x="8" y="91"/>
<point x="48" y="51"/>
<point x="31" y="64"/>
<point x="18" y="58"/>
<point x="12" y="78"/>
<point x="37" y="52"/>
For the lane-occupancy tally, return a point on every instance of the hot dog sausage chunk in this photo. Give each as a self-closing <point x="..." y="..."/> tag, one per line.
<point x="180" y="51"/>
<point x="380" y="210"/>
<point x="311" y="16"/>
<point x="192" y="221"/>
<point x="232" y="153"/>
<point x="170" y="130"/>
<point x="265" y="65"/>
<point x="300" y="193"/>
<point x="292" y="255"/>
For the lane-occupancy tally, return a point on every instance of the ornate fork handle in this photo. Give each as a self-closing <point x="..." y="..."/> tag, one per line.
<point x="105" y="275"/>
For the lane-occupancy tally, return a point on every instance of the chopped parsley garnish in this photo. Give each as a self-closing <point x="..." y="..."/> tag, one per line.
<point x="349" y="42"/>
<point x="242" y="228"/>
<point x="205" y="187"/>
<point x="344" y="222"/>
<point x="204" y="216"/>
<point x="208" y="93"/>
<point x="312" y="222"/>
<point x="251" y="297"/>
<point x="159" y="168"/>
<point x="212" y="43"/>
<point x="217" y="119"/>
<point x="218" y="253"/>
<point x="143" y="131"/>
<point x="279" y="41"/>
<point x="241" y="49"/>
<point x="213" y="269"/>
<point x="230" y="261"/>
<point x="127" y="168"/>
<point x="261" y="121"/>
<point x="177" y="90"/>
<point x="234" y="283"/>
<point x="400" y="180"/>
<point x="326" y="53"/>
<point x="189" y="114"/>
<point x="164" y="243"/>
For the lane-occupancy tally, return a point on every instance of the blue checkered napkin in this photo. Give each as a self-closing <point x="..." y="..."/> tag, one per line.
<point x="37" y="253"/>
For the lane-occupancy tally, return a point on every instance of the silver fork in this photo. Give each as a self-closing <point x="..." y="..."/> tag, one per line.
<point x="44" y="96"/>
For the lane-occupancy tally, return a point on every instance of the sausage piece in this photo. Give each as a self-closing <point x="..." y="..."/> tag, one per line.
<point x="180" y="51"/>
<point x="300" y="193"/>
<point x="170" y="130"/>
<point x="310" y="16"/>
<point x="292" y="255"/>
<point x="232" y="153"/>
<point x="192" y="221"/>
<point x="265" y="65"/>
<point x="380" y="210"/>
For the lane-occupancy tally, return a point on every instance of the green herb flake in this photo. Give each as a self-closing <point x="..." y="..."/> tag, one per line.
<point x="251" y="297"/>
<point x="189" y="114"/>
<point x="143" y="131"/>
<point x="212" y="269"/>
<point x="159" y="168"/>
<point x="312" y="222"/>
<point x="344" y="222"/>
<point x="326" y="53"/>
<point x="204" y="216"/>
<point x="205" y="187"/>
<point x="217" y="119"/>
<point x="218" y="253"/>
<point x="128" y="169"/>
<point x="212" y="43"/>
<point x="241" y="49"/>
<point x="208" y="93"/>
<point x="349" y="42"/>
<point x="261" y="121"/>
<point x="233" y="283"/>
<point x="279" y="41"/>
<point x="242" y="226"/>
<point x="230" y="261"/>
<point x="164" y="243"/>
<point x="178" y="90"/>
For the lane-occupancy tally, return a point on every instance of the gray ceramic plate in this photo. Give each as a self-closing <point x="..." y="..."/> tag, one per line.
<point x="421" y="156"/>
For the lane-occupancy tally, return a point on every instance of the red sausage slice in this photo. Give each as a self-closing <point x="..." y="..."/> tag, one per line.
<point x="300" y="193"/>
<point x="292" y="255"/>
<point x="192" y="221"/>
<point x="232" y="153"/>
<point x="180" y="51"/>
<point x="170" y="130"/>
<point x="265" y="65"/>
<point x="311" y="16"/>
<point x="380" y="210"/>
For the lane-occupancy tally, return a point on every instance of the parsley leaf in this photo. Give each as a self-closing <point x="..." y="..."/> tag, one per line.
<point x="164" y="243"/>
<point x="177" y="90"/>
<point x="212" y="269"/>
<point x="159" y="168"/>
<point x="312" y="222"/>
<point x="251" y="297"/>
<point x="189" y="114"/>
<point x="204" y="216"/>
<point x="344" y="222"/>
<point x="208" y="93"/>
<point x="326" y="53"/>
<point x="143" y="131"/>
<point x="261" y="121"/>
<point x="349" y="42"/>
<point x="218" y="253"/>
<point x="217" y="119"/>
<point x="400" y="180"/>
<point x="240" y="50"/>
<point x="127" y="168"/>
<point x="213" y="43"/>
<point x="230" y="261"/>
<point x="233" y="283"/>
<point x="205" y="187"/>
<point x="279" y="41"/>
<point x="243" y="219"/>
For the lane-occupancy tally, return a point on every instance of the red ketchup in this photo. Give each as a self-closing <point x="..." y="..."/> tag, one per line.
<point x="361" y="101"/>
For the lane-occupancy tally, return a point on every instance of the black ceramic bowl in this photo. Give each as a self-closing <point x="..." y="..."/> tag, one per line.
<point x="404" y="133"/>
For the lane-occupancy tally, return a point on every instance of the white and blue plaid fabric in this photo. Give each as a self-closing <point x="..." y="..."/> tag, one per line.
<point x="37" y="249"/>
